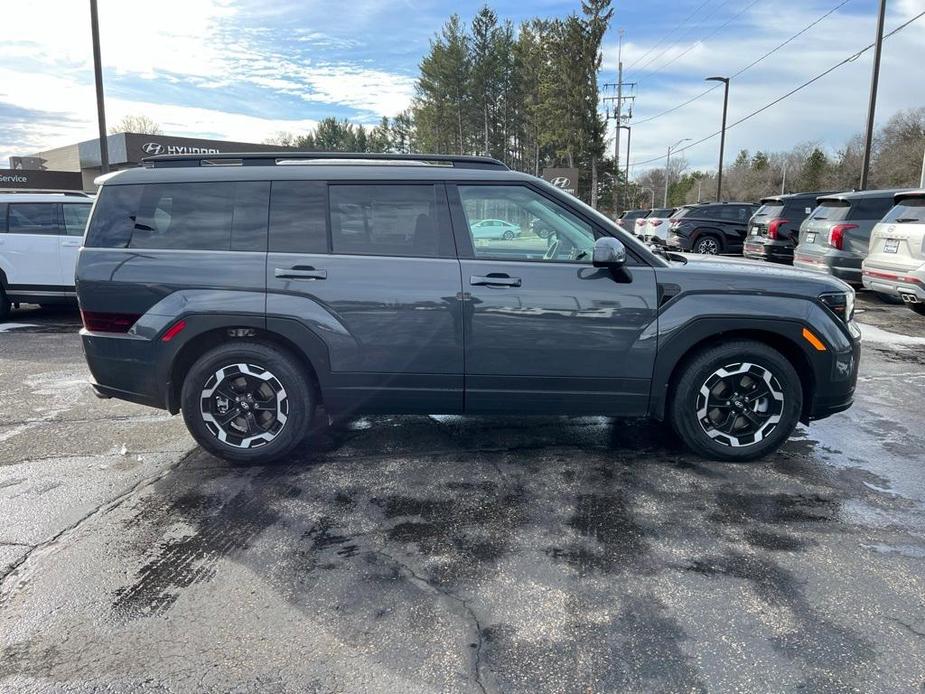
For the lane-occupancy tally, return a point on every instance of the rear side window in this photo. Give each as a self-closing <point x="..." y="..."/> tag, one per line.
<point x="404" y="220"/>
<point x="870" y="208"/>
<point x="218" y="216"/>
<point x="75" y="218"/>
<point x="2" y="218"/>
<point x="909" y="211"/>
<point x="34" y="218"/>
<point x="298" y="217"/>
<point x="832" y="210"/>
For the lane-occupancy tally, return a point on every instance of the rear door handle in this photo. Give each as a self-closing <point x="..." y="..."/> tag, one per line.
<point x="300" y="272"/>
<point x="494" y="280"/>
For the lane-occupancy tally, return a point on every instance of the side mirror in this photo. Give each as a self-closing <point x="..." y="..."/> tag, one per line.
<point x="609" y="252"/>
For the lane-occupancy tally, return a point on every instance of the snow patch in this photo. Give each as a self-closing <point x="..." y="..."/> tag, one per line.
<point x="871" y="333"/>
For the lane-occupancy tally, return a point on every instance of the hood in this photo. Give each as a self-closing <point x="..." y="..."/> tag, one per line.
<point x="721" y="274"/>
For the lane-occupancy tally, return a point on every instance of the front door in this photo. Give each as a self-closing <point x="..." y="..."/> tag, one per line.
<point x="75" y="221"/>
<point x="546" y="332"/>
<point x="379" y="284"/>
<point x="30" y="249"/>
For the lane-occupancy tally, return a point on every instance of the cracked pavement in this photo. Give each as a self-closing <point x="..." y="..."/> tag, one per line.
<point x="454" y="554"/>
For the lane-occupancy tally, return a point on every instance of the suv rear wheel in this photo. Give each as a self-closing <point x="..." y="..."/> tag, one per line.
<point x="247" y="402"/>
<point x="736" y="401"/>
<point x="708" y="245"/>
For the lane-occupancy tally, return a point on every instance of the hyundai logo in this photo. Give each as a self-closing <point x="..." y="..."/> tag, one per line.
<point x="561" y="181"/>
<point x="152" y="148"/>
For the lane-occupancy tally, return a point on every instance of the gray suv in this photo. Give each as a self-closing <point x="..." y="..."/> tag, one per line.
<point x="245" y="290"/>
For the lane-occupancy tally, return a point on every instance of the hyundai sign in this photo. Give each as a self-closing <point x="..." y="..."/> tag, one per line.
<point x="566" y="179"/>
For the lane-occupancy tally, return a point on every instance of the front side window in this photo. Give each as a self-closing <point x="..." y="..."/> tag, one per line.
<point x="534" y="227"/>
<point x="391" y="220"/>
<point x="215" y="216"/>
<point x="34" y="218"/>
<point x="75" y="218"/>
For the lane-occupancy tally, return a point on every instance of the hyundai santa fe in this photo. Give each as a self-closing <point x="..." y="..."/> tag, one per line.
<point x="246" y="294"/>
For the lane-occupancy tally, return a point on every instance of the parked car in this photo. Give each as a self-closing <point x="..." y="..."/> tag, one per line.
<point x="895" y="264"/>
<point x="710" y="228"/>
<point x="655" y="225"/>
<point x="633" y="220"/>
<point x="40" y="234"/>
<point x="243" y="297"/>
<point x="774" y="229"/>
<point x="494" y="229"/>
<point x="835" y="237"/>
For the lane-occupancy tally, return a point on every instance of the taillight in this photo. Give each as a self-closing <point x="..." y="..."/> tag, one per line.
<point x="640" y="222"/>
<point x="656" y="222"/>
<point x="837" y="235"/>
<point x="97" y="322"/>
<point x="774" y="226"/>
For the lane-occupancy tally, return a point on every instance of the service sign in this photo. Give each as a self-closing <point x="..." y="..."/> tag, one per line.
<point x="28" y="179"/>
<point x="566" y="179"/>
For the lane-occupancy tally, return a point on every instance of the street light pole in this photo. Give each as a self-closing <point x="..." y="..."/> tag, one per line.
<point x="668" y="171"/>
<point x="626" y="170"/>
<point x="98" y="75"/>
<point x="872" y="104"/>
<point x="722" y="135"/>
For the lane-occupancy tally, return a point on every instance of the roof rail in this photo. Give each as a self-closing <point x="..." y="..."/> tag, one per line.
<point x="45" y="191"/>
<point x="274" y="158"/>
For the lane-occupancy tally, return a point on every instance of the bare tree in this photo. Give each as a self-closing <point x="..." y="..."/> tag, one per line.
<point x="136" y="124"/>
<point x="282" y="138"/>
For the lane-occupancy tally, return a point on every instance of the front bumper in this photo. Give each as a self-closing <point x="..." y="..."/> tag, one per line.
<point x="836" y="394"/>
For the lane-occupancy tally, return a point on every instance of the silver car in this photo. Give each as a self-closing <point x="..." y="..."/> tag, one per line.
<point x="895" y="264"/>
<point x="835" y="237"/>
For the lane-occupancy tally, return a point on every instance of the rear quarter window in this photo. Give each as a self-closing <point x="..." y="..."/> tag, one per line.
<point x="217" y="216"/>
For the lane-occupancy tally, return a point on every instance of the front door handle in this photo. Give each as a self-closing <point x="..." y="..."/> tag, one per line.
<point x="494" y="280"/>
<point x="300" y="272"/>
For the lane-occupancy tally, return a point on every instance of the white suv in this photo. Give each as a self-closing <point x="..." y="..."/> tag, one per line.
<point x="40" y="235"/>
<point x="895" y="263"/>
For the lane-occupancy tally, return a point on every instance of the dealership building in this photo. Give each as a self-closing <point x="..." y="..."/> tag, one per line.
<point x="73" y="167"/>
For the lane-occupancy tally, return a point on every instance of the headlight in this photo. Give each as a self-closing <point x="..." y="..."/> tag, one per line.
<point x="840" y="303"/>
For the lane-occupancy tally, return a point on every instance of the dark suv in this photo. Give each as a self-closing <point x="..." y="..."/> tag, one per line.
<point x="775" y="228"/>
<point x="246" y="295"/>
<point x="710" y="228"/>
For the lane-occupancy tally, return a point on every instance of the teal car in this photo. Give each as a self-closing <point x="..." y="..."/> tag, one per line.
<point x="495" y="229"/>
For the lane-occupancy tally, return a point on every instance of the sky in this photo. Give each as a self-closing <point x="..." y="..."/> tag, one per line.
<point x="245" y="69"/>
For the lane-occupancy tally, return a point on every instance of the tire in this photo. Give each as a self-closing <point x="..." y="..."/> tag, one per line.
<point x="707" y="244"/>
<point x="508" y="235"/>
<point x="701" y="383"/>
<point x="889" y="298"/>
<point x="267" y="388"/>
<point x="5" y="306"/>
<point x="918" y="308"/>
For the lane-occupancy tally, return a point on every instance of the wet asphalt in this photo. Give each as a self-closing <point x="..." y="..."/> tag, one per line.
<point x="451" y="554"/>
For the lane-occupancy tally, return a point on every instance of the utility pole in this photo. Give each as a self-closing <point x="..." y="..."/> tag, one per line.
<point x="722" y="136"/>
<point x="872" y="104"/>
<point x="618" y="117"/>
<point x="98" y="75"/>
<point x="922" y="178"/>
<point x="626" y="166"/>
<point x="783" y="183"/>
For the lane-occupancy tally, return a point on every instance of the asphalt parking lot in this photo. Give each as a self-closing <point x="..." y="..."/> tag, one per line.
<point x="449" y="554"/>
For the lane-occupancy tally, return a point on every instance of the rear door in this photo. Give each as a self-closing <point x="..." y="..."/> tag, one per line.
<point x="371" y="269"/>
<point x="30" y="248"/>
<point x="735" y="224"/>
<point x="546" y="332"/>
<point x="865" y="213"/>
<point x="74" y="216"/>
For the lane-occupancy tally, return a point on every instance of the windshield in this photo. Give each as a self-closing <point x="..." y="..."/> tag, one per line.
<point x="831" y="210"/>
<point x="906" y="212"/>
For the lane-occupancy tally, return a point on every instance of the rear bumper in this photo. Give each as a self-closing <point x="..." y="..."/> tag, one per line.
<point x="123" y="366"/>
<point x="769" y="250"/>
<point x="894" y="283"/>
<point x="847" y="268"/>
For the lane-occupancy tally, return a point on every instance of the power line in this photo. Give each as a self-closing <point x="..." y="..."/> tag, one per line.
<point x="681" y="38"/>
<point x="793" y="91"/>
<point x="678" y="26"/>
<point x="747" y="67"/>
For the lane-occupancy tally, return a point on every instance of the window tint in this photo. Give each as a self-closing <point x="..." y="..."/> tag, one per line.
<point x="181" y="216"/>
<point x="831" y="210"/>
<point x="298" y="217"/>
<point x="2" y="218"/>
<point x="75" y="218"/>
<point x="543" y="229"/>
<point x="771" y="210"/>
<point x="34" y="218"/>
<point x="401" y="220"/>
<point x="910" y="210"/>
<point x="870" y="208"/>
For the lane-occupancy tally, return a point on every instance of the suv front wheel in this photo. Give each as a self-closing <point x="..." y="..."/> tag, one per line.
<point x="737" y="401"/>
<point x="247" y="402"/>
